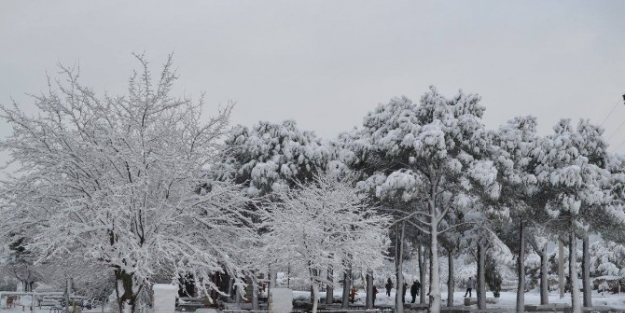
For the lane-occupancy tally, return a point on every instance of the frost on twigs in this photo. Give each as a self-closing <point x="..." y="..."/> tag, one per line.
<point x="120" y="181"/>
<point x="322" y="225"/>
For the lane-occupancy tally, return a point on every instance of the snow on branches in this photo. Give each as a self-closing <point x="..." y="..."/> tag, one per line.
<point x="121" y="181"/>
<point x="418" y="152"/>
<point x="322" y="225"/>
<point x="271" y="157"/>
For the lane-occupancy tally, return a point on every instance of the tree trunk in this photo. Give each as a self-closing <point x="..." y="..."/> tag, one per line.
<point x="237" y="295"/>
<point x="67" y="292"/>
<point x="481" y="278"/>
<point x="229" y="288"/>
<point x="520" y="295"/>
<point x="313" y="276"/>
<point x="422" y="269"/>
<point x="255" y="305"/>
<point x="128" y="293"/>
<point x="273" y="273"/>
<point x="273" y="277"/>
<point x="435" y="290"/>
<point x="330" y="288"/>
<point x="586" y="270"/>
<point x="561" y="267"/>
<point x="575" y="304"/>
<point x="370" y="294"/>
<point x="544" y="277"/>
<point x="399" y="295"/>
<point x="450" y="279"/>
<point x="347" y="284"/>
<point x="315" y="298"/>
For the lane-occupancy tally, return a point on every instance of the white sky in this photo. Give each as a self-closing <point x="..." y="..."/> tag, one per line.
<point x="327" y="63"/>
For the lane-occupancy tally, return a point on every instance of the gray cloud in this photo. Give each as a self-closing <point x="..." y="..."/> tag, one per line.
<point x="326" y="64"/>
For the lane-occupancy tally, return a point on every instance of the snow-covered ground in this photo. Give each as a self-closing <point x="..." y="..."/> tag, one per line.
<point x="506" y="300"/>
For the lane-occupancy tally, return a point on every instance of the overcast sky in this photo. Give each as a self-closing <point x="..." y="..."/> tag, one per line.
<point x="326" y="64"/>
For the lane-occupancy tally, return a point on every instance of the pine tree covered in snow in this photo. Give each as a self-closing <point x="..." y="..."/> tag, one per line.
<point x="121" y="181"/>
<point x="573" y="167"/>
<point x="611" y="225"/>
<point x="516" y="153"/>
<point x="271" y="157"/>
<point x="608" y="259"/>
<point x="414" y="152"/>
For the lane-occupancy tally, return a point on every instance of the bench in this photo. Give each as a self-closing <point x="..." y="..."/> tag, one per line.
<point x="49" y="302"/>
<point x="189" y="304"/>
<point x="471" y="301"/>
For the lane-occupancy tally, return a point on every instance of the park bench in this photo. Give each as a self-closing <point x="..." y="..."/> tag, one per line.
<point x="189" y="304"/>
<point x="471" y="301"/>
<point x="242" y="307"/>
<point x="49" y="301"/>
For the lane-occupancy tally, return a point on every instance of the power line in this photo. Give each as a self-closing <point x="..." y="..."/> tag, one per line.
<point x="614" y="133"/>
<point x="622" y="123"/>
<point x="619" y="145"/>
<point x="614" y="107"/>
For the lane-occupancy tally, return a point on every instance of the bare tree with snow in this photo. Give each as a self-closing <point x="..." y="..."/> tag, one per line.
<point x="121" y="181"/>
<point x="320" y="225"/>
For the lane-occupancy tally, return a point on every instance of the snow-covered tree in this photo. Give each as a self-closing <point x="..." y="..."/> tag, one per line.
<point x="608" y="259"/>
<point x="271" y="157"/>
<point x="538" y="238"/>
<point x="516" y="153"/>
<point x="415" y="152"/>
<point x="573" y="168"/>
<point x="611" y="226"/>
<point x="323" y="224"/>
<point x="20" y="262"/>
<point x="121" y="181"/>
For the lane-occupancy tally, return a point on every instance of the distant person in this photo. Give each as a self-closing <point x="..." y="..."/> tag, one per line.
<point x="389" y="286"/>
<point x="414" y="290"/>
<point x="403" y="292"/>
<point x="567" y="287"/>
<point x="375" y="292"/>
<point x="352" y="294"/>
<point x="470" y="286"/>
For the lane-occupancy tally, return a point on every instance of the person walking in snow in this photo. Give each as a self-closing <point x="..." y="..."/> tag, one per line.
<point x="414" y="290"/>
<point x="389" y="286"/>
<point x="470" y="286"/>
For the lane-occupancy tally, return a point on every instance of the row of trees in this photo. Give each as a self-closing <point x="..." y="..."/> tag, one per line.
<point x="145" y="186"/>
<point x="136" y="184"/>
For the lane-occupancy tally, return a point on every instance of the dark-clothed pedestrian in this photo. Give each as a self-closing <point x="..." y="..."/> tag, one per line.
<point x="375" y="292"/>
<point x="470" y="286"/>
<point x="414" y="290"/>
<point x="389" y="286"/>
<point x="403" y="292"/>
